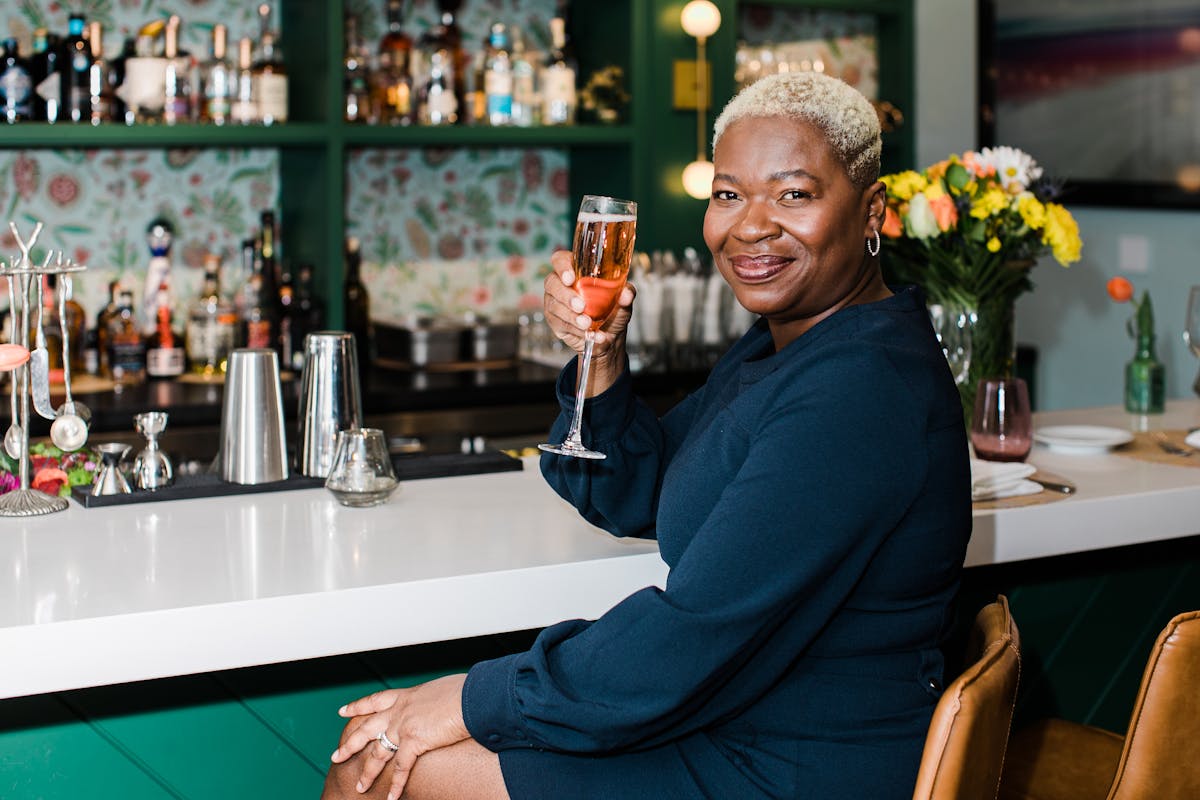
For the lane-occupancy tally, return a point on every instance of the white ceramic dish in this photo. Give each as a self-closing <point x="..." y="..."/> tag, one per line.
<point x="1193" y="439"/>
<point x="1081" y="439"/>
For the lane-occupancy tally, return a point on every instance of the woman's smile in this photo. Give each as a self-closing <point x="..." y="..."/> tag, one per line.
<point x="758" y="268"/>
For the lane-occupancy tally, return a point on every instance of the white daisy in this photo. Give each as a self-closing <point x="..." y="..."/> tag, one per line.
<point x="1015" y="169"/>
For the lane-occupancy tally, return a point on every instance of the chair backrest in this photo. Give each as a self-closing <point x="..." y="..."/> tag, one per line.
<point x="964" y="749"/>
<point x="1159" y="758"/>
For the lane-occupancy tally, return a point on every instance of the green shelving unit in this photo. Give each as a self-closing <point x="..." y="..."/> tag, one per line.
<point x="640" y="158"/>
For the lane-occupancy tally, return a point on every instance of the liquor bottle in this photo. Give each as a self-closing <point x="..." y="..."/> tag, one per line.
<point x="356" y="77"/>
<point x="217" y="78"/>
<point x="101" y="86"/>
<point x="258" y="317"/>
<point x="121" y="112"/>
<point x="103" y="319"/>
<point x="498" y="77"/>
<point x="440" y="82"/>
<point x="558" y="79"/>
<point x="46" y="76"/>
<point x="164" y="350"/>
<point x="244" y="109"/>
<point x="16" y="85"/>
<point x="310" y="311"/>
<point x="393" y="79"/>
<point x="525" y="106"/>
<point x="439" y="105"/>
<point x="357" y="303"/>
<point x="177" y="79"/>
<point x="474" y="109"/>
<point x="159" y="237"/>
<point x="270" y="74"/>
<point x="211" y="324"/>
<point x="126" y="347"/>
<point x="270" y="259"/>
<point x="75" y="71"/>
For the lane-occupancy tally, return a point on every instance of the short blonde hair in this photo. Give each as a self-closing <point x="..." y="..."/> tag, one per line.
<point x="838" y="110"/>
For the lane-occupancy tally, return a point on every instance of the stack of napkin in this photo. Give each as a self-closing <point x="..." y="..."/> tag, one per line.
<point x="992" y="480"/>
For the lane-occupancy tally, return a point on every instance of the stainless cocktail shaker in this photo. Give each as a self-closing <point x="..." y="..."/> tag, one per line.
<point x="330" y="399"/>
<point x="253" y="443"/>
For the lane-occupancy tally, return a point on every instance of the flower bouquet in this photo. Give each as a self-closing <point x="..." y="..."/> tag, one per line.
<point x="51" y="470"/>
<point x="968" y="231"/>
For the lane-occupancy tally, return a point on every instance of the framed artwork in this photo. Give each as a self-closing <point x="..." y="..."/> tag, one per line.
<point x="1104" y="94"/>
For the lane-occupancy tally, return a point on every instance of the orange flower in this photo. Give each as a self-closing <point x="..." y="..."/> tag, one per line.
<point x="49" y="480"/>
<point x="1120" y="289"/>
<point x="892" y="227"/>
<point x="944" y="212"/>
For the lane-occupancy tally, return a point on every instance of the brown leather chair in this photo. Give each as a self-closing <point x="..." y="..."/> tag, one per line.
<point x="1156" y="759"/>
<point x="964" y="749"/>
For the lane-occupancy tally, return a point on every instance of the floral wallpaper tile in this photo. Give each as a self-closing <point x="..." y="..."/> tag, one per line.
<point x="449" y="231"/>
<point x="96" y="205"/>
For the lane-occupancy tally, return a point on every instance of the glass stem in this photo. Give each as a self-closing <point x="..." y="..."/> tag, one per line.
<point x="585" y="365"/>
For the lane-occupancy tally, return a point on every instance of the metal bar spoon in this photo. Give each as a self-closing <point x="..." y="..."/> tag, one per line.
<point x="69" y="431"/>
<point x="39" y="359"/>
<point x="13" y="436"/>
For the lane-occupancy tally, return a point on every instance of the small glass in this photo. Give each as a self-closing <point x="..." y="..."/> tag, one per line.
<point x="361" y="474"/>
<point x="1002" y="425"/>
<point x="1191" y="331"/>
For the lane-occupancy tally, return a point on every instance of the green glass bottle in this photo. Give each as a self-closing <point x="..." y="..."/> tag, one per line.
<point x="1145" y="376"/>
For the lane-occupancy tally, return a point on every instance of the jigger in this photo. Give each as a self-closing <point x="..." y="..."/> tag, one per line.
<point x="152" y="469"/>
<point x="111" y="480"/>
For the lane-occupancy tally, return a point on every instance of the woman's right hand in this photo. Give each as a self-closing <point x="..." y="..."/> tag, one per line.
<point x="564" y="314"/>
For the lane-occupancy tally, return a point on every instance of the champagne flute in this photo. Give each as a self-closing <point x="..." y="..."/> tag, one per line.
<point x="1191" y="332"/>
<point x="603" y="248"/>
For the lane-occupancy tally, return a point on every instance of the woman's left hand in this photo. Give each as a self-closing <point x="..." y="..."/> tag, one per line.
<point x="417" y="720"/>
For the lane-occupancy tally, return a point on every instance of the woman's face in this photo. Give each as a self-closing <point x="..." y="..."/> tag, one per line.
<point x="787" y="228"/>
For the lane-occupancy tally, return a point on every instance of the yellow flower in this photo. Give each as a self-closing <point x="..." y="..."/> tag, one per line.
<point x="903" y="185"/>
<point x="993" y="244"/>
<point x="1032" y="211"/>
<point x="992" y="201"/>
<point x="1062" y="234"/>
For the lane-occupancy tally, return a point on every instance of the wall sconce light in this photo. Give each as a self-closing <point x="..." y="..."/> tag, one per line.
<point x="700" y="19"/>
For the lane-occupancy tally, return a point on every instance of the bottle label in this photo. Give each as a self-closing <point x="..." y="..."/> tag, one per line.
<point x="441" y="106"/>
<point x="271" y="89"/>
<point x="258" y="334"/>
<point x="126" y="359"/>
<point x="498" y="86"/>
<point x="16" y="87"/>
<point x="558" y="94"/>
<point x="164" y="362"/>
<point x="209" y="341"/>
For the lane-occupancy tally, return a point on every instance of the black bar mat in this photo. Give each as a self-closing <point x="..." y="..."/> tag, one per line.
<point x="409" y="467"/>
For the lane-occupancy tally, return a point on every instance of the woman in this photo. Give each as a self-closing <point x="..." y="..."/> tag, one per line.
<point x="811" y="501"/>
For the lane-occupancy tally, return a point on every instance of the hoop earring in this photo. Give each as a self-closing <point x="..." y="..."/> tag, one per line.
<point x="878" y="245"/>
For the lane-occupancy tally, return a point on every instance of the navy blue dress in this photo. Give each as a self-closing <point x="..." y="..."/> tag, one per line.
<point x="813" y="506"/>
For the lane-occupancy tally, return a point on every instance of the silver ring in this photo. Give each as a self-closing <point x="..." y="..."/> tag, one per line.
<point x="383" y="739"/>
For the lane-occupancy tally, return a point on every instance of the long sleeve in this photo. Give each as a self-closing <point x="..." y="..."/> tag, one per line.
<point x="808" y="487"/>
<point x="620" y="493"/>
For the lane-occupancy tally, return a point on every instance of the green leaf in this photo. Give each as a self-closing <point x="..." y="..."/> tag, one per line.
<point x="957" y="176"/>
<point x="509" y="247"/>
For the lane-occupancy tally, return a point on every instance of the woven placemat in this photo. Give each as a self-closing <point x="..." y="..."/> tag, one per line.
<point x="1041" y="498"/>
<point x="1144" y="447"/>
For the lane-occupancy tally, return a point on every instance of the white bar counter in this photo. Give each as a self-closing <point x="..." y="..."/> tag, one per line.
<point x="90" y="597"/>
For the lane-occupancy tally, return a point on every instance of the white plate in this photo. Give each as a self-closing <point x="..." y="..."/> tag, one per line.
<point x="1193" y="439"/>
<point x="1081" y="439"/>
